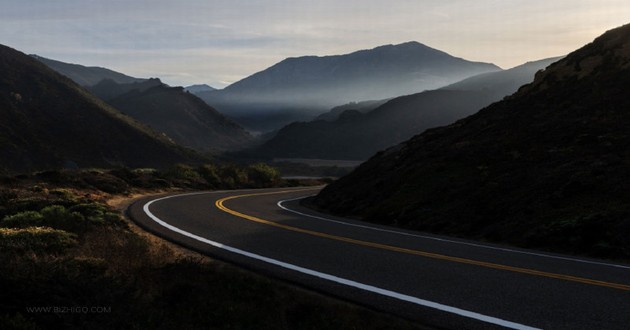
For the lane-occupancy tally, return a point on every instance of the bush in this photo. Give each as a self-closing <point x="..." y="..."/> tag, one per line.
<point x="77" y="218"/>
<point x="183" y="172"/>
<point x="210" y="173"/>
<point x="57" y="216"/>
<point x="35" y="239"/>
<point x="262" y="175"/>
<point x="23" y="220"/>
<point x="234" y="176"/>
<point x="108" y="183"/>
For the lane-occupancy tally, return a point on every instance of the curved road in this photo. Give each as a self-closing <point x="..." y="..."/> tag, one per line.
<point x="438" y="281"/>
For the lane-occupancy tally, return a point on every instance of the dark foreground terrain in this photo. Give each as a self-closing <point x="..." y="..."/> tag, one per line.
<point x="68" y="260"/>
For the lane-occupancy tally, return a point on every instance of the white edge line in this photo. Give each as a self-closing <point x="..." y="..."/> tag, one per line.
<point x="442" y="239"/>
<point x="332" y="278"/>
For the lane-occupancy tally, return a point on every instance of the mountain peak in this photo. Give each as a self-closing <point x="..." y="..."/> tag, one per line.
<point x="311" y="84"/>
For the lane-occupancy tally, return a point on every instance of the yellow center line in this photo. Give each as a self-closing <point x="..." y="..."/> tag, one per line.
<point x="219" y="204"/>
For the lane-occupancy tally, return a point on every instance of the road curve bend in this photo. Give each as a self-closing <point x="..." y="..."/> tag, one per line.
<point x="438" y="281"/>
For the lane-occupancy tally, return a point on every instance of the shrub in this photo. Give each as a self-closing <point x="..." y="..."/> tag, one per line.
<point x="59" y="217"/>
<point x="108" y="183"/>
<point x="210" y="173"/>
<point x="23" y="220"/>
<point x="35" y="239"/>
<point x="262" y="175"/>
<point x="234" y="176"/>
<point x="183" y="172"/>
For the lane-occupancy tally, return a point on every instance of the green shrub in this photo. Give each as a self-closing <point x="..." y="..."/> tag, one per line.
<point x="35" y="239"/>
<point x="23" y="220"/>
<point x="262" y="175"/>
<point x="234" y="176"/>
<point x="77" y="218"/>
<point x="58" y="216"/>
<point x="210" y="173"/>
<point x="62" y="193"/>
<point x="183" y="172"/>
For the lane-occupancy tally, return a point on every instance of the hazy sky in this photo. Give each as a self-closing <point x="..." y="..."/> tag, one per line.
<point x="221" y="41"/>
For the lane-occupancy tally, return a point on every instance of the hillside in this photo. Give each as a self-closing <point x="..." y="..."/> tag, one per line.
<point x="299" y="88"/>
<point x="502" y="83"/>
<point x="360" y="134"/>
<point x="108" y="89"/>
<point x="547" y="167"/>
<point x="178" y="114"/>
<point x="86" y="76"/>
<point x="357" y="136"/>
<point x="47" y="121"/>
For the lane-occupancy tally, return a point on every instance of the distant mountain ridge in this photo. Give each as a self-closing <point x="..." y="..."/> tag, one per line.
<point x="353" y="136"/>
<point x="297" y="88"/>
<point x="86" y="76"/>
<point x="196" y="89"/>
<point x="48" y="121"/>
<point x="108" y="89"/>
<point x="546" y="167"/>
<point x="176" y="113"/>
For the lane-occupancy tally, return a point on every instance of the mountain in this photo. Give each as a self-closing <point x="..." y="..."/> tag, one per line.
<point x="359" y="134"/>
<point x="502" y="83"/>
<point x="299" y="88"/>
<point x="196" y="89"/>
<point x="176" y="113"/>
<point x="547" y="167"/>
<point x="86" y="76"/>
<point x="48" y="121"/>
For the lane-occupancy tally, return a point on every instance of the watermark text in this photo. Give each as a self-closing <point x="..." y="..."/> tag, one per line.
<point x="69" y="309"/>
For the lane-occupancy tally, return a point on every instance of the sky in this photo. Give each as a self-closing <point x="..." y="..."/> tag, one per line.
<point x="219" y="42"/>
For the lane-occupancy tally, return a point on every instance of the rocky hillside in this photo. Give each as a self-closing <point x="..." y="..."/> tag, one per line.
<point x="547" y="167"/>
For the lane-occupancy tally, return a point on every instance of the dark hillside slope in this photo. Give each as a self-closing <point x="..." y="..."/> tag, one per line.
<point x="183" y="117"/>
<point x="47" y="121"/>
<point x="502" y="83"/>
<point x="547" y="167"/>
<point x="357" y="136"/>
<point x="84" y="75"/>
<point x="108" y="89"/>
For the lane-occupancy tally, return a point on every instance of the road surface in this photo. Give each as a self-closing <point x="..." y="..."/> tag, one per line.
<point x="438" y="281"/>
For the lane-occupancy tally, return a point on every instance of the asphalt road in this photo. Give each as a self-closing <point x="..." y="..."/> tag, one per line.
<point x="438" y="281"/>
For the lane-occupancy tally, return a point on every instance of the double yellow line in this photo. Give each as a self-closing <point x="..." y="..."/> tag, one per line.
<point x="220" y="204"/>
